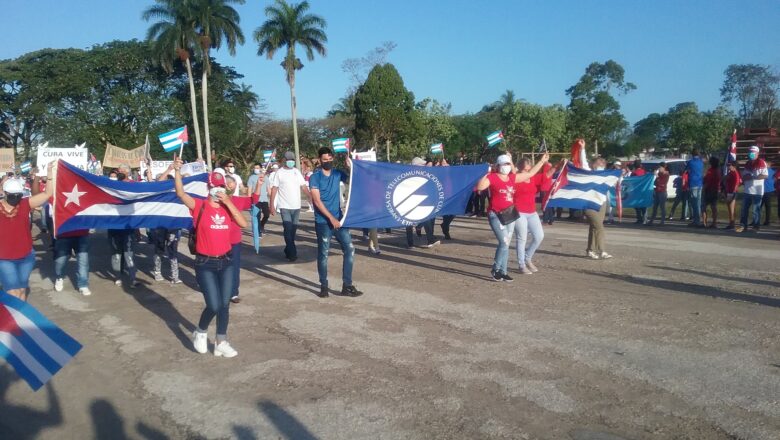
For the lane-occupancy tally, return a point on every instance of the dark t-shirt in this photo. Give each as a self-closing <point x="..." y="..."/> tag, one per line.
<point x="330" y="192"/>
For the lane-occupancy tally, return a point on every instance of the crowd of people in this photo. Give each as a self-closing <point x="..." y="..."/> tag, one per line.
<point x="507" y="196"/>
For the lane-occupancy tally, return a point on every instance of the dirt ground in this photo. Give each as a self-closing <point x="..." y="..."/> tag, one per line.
<point x="676" y="337"/>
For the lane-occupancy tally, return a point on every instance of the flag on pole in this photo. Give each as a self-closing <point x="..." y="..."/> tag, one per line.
<point x="174" y="139"/>
<point x="34" y="346"/>
<point x="25" y="167"/>
<point x="733" y="149"/>
<point x="495" y="138"/>
<point x="269" y="155"/>
<point x="576" y="188"/>
<point x="340" y="145"/>
<point x="437" y="148"/>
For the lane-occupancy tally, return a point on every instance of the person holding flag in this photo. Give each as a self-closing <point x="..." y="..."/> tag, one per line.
<point x="595" y="219"/>
<point x="17" y="257"/>
<point x="753" y="176"/>
<point x="528" y="221"/>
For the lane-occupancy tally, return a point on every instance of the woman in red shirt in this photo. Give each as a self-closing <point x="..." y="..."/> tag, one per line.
<point x="659" y="195"/>
<point x="711" y="190"/>
<point x="525" y="203"/>
<point x="213" y="266"/>
<point x="732" y="183"/>
<point x="17" y="258"/>
<point x="502" y="213"/>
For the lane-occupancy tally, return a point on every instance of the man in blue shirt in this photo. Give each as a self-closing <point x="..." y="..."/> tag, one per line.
<point x="769" y="194"/>
<point x="695" y="168"/>
<point x="325" y="186"/>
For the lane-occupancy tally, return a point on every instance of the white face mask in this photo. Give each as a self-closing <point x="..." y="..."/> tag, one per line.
<point x="599" y="168"/>
<point x="213" y="192"/>
<point x="257" y="171"/>
<point x="113" y="178"/>
<point x="505" y="169"/>
<point x="231" y="170"/>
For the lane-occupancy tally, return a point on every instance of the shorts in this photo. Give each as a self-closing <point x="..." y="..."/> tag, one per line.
<point x="710" y="197"/>
<point x="15" y="274"/>
<point x="730" y="197"/>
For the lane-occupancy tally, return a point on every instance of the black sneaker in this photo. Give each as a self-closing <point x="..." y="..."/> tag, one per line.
<point x="507" y="278"/>
<point x="447" y="236"/>
<point x="350" y="291"/>
<point x="323" y="292"/>
<point x="496" y="276"/>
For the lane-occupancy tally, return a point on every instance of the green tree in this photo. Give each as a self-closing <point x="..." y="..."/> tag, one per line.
<point x="288" y="26"/>
<point x="174" y="37"/>
<point x="530" y="124"/>
<point x="383" y="107"/>
<point x="684" y="124"/>
<point x="753" y="89"/>
<point x="595" y="113"/>
<point x="216" y="22"/>
<point x="716" y="128"/>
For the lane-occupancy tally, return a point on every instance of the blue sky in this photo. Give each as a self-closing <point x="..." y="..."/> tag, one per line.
<point x="465" y="52"/>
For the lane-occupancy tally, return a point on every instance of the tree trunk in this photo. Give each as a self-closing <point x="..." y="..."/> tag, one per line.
<point x="387" y="143"/>
<point x="194" y="108"/>
<point x="596" y="148"/>
<point x="204" y="93"/>
<point x="293" y="108"/>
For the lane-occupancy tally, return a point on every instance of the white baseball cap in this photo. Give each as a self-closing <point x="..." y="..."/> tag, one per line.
<point x="754" y="149"/>
<point x="220" y="171"/>
<point x="503" y="159"/>
<point x="13" y="186"/>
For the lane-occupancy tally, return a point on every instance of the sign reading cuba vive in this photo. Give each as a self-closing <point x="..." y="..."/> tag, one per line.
<point x="75" y="156"/>
<point x="386" y="195"/>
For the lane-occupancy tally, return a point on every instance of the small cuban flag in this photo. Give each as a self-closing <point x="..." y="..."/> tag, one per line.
<point x="495" y="138"/>
<point x="174" y="139"/>
<point x="25" y="167"/>
<point x="340" y="145"/>
<point x="437" y="148"/>
<point x="269" y="156"/>
<point x="34" y="346"/>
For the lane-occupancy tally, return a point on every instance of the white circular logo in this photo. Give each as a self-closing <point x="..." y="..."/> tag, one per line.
<point x="414" y="196"/>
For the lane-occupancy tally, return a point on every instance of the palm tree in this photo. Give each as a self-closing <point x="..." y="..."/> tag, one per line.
<point x="216" y="22"/>
<point x="287" y="26"/>
<point x="173" y="36"/>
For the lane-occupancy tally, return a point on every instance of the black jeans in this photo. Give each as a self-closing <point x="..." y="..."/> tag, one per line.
<point x="767" y="202"/>
<point x="427" y="225"/>
<point x="262" y="214"/>
<point x="215" y="277"/>
<point x="445" y="224"/>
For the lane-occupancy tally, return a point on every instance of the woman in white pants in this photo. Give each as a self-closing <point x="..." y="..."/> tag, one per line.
<point x="525" y="203"/>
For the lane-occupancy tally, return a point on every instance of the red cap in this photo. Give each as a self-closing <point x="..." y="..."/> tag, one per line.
<point x="216" y="179"/>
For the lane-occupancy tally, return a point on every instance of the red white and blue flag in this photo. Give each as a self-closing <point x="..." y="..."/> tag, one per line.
<point x="340" y="145"/>
<point x="733" y="148"/>
<point x="174" y="139"/>
<point x="34" y="346"/>
<point x="86" y="201"/>
<point x="576" y="188"/>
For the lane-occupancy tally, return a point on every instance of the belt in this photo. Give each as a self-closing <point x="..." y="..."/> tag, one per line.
<point x="220" y="257"/>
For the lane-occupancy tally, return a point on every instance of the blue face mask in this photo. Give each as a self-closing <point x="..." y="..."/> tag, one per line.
<point x="290" y="163"/>
<point x="752" y="156"/>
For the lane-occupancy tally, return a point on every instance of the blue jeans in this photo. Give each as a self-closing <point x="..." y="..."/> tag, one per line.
<point x="121" y="242"/>
<point x="62" y="250"/>
<point x="236" y="254"/>
<point x="504" y="237"/>
<point x="695" y="202"/>
<point x="659" y="200"/>
<point x="215" y="278"/>
<point x="747" y="201"/>
<point x="324" y="233"/>
<point x="15" y="274"/>
<point x="523" y="225"/>
<point x="290" y="225"/>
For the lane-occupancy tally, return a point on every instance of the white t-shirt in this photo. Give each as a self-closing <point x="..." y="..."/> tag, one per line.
<point x="289" y="181"/>
<point x="239" y="183"/>
<point x="756" y="168"/>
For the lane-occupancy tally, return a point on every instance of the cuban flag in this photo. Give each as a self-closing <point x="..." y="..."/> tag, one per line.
<point x="34" y="346"/>
<point x="25" y="167"/>
<point x="388" y="195"/>
<point x="340" y="145"/>
<point x="495" y="138"/>
<point x="437" y="148"/>
<point x="576" y="188"/>
<point x="86" y="201"/>
<point x="733" y="148"/>
<point x="269" y="155"/>
<point x="174" y="139"/>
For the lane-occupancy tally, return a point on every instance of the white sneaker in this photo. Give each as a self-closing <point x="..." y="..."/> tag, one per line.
<point x="605" y="256"/>
<point x="374" y="250"/>
<point x="158" y="276"/>
<point x="58" y="284"/>
<point x="118" y="283"/>
<point x="200" y="341"/>
<point x="524" y="270"/>
<point x="175" y="281"/>
<point x="593" y="255"/>
<point x="530" y="265"/>
<point x="224" y="349"/>
<point x="85" y="291"/>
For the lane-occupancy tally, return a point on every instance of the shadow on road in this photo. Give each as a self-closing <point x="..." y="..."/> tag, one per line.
<point x="719" y="276"/>
<point x="285" y="423"/>
<point x="20" y="422"/>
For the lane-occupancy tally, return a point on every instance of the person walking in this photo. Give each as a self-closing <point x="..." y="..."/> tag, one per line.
<point x="427" y="225"/>
<point x="681" y="197"/>
<point x="230" y="171"/>
<point x="595" y="218"/>
<point x="753" y="176"/>
<point x="286" y="186"/>
<point x="732" y="182"/>
<point x="262" y="191"/>
<point x="121" y="242"/>
<point x="325" y="188"/>
<point x="213" y="266"/>
<point x="242" y="204"/>
<point x="711" y="190"/>
<point x="528" y="220"/>
<point x="641" y="213"/>
<point x="769" y="194"/>
<point x="659" y="194"/>
<point x="17" y="257"/>
<point x="545" y="187"/>
<point x="695" y="168"/>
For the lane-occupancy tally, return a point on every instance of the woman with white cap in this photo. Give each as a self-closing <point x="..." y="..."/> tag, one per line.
<point x="502" y="214"/>
<point x="17" y="258"/>
<point x="213" y="265"/>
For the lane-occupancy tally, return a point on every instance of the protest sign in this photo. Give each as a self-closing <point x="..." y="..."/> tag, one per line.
<point x="77" y="157"/>
<point x="365" y="155"/>
<point x="6" y="159"/>
<point x="116" y="156"/>
<point x="193" y="168"/>
<point x="158" y="167"/>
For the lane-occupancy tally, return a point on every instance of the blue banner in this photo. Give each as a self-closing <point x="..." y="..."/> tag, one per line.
<point x="635" y="192"/>
<point x="386" y="195"/>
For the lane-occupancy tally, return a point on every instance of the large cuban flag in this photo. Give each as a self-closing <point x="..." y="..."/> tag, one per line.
<point x="34" y="346"/>
<point x="85" y="201"/>
<point x="576" y="188"/>
<point x="386" y="195"/>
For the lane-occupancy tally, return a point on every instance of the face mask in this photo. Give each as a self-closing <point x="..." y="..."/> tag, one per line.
<point x="112" y="178"/>
<point x="231" y="170"/>
<point x="290" y="163"/>
<point x="213" y="192"/>
<point x="505" y="169"/>
<point x="752" y="156"/>
<point x="599" y="168"/>
<point x="257" y="171"/>
<point x="121" y="176"/>
<point x="327" y="166"/>
<point x="13" y="199"/>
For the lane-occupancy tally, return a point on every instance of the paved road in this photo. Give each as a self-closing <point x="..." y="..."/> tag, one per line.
<point x="677" y="337"/>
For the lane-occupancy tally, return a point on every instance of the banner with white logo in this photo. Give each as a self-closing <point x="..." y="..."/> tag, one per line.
<point x="78" y="157"/>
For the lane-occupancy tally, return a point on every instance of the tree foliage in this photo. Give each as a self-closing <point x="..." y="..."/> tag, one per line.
<point x="753" y="89"/>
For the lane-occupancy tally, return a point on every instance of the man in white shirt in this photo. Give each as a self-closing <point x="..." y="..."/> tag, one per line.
<point x="753" y="176"/>
<point x="230" y="170"/>
<point x="286" y="186"/>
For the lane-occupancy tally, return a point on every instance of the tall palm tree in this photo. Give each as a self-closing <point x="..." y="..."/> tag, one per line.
<point x="216" y="22"/>
<point x="172" y="37"/>
<point x="287" y="26"/>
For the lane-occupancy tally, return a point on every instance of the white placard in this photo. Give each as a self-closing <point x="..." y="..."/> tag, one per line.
<point x="158" y="167"/>
<point x="193" y="168"/>
<point x="77" y="157"/>
<point x="365" y="155"/>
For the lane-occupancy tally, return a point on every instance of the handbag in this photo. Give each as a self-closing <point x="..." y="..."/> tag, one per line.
<point x="508" y="215"/>
<point x="192" y="244"/>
